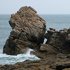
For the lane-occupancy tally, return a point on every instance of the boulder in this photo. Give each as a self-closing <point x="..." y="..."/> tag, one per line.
<point x="28" y="30"/>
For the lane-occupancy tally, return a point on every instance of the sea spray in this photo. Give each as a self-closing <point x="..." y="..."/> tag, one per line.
<point x="12" y="59"/>
<point x="45" y="40"/>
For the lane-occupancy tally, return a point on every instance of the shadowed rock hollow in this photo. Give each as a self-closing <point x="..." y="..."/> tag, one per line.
<point x="28" y="30"/>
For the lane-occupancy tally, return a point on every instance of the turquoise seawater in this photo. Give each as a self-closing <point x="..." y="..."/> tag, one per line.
<point x="52" y="21"/>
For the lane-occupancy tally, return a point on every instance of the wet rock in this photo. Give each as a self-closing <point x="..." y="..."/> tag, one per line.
<point x="28" y="30"/>
<point x="62" y="66"/>
<point x="28" y="65"/>
<point x="47" y="48"/>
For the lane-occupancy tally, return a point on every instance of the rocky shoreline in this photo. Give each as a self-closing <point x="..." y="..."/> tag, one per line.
<point x="29" y="31"/>
<point x="49" y="62"/>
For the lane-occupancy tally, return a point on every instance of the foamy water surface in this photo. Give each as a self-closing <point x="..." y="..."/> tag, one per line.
<point x="12" y="59"/>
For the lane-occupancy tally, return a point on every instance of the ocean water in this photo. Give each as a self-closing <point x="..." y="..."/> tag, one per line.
<point x="53" y="21"/>
<point x="57" y="21"/>
<point x="4" y="30"/>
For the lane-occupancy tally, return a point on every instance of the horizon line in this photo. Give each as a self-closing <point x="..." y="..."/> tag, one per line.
<point x="39" y="14"/>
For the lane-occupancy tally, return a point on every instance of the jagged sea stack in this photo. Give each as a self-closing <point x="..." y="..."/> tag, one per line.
<point x="28" y="30"/>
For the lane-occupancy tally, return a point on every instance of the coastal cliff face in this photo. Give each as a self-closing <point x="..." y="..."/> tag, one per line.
<point x="28" y="30"/>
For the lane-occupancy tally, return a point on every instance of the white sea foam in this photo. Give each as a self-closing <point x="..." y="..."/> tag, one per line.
<point x="12" y="59"/>
<point x="45" y="40"/>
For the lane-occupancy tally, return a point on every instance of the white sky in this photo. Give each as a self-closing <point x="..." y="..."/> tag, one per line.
<point x="42" y="6"/>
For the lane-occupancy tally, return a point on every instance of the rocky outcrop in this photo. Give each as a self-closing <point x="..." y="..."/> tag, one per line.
<point x="60" y="40"/>
<point x="28" y="30"/>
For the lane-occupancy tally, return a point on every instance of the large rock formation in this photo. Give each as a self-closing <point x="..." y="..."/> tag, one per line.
<point x="28" y="30"/>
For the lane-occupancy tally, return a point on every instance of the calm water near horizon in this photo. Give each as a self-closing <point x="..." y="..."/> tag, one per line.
<point x="57" y="21"/>
<point x="53" y="21"/>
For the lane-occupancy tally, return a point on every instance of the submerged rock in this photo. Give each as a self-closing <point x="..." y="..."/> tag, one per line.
<point x="28" y="30"/>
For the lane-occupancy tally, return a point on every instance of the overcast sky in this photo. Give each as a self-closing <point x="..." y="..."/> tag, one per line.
<point x="42" y="6"/>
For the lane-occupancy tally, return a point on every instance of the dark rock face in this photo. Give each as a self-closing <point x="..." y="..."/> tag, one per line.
<point x="60" y="40"/>
<point x="28" y="30"/>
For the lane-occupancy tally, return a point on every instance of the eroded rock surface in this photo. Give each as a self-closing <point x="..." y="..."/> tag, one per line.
<point x="60" y="40"/>
<point x="28" y="30"/>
